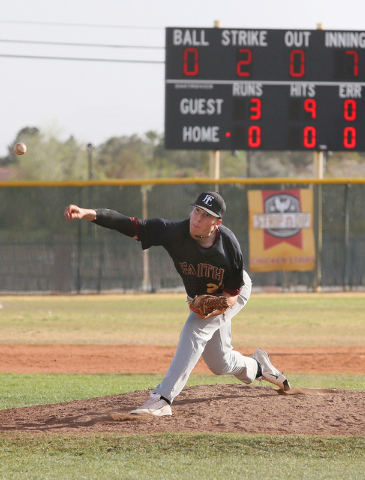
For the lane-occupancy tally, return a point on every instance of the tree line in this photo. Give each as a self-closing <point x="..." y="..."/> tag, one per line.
<point x="143" y="156"/>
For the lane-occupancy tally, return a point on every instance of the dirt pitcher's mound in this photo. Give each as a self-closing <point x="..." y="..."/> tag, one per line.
<point x="214" y="409"/>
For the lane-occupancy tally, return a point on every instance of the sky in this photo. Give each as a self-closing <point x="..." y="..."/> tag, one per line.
<point x="94" y="100"/>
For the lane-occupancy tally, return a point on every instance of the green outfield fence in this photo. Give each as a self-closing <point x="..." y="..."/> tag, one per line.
<point x="41" y="252"/>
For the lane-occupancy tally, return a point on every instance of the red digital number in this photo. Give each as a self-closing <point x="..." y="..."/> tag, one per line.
<point x="297" y="63"/>
<point x="243" y="63"/>
<point x="356" y="61"/>
<point x="309" y="137"/>
<point x="349" y="110"/>
<point x="310" y="106"/>
<point x="255" y="109"/>
<point x="254" y="136"/>
<point x="349" y="137"/>
<point x="191" y="63"/>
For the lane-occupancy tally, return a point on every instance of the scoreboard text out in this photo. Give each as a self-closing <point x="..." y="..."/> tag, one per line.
<point x="236" y="89"/>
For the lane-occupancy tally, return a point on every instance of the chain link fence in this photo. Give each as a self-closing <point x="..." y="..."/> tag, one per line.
<point x="41" y="252"/>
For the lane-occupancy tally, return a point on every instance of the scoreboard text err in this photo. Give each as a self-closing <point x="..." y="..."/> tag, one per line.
<point x="236" y="89"/>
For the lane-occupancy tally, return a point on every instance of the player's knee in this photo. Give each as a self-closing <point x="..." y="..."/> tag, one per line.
<point x="220" y="368"/>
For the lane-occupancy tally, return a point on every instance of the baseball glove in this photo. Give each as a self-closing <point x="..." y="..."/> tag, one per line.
<point x="206" y="304"/>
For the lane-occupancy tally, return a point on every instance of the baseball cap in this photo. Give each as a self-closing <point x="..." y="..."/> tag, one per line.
<point x="212" y="203"/>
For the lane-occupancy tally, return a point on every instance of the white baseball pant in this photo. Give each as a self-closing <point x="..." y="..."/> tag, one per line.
<point x="210" y="338"/>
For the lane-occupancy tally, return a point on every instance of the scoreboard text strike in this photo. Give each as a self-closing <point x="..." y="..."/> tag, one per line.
<point x="264" y="89"/>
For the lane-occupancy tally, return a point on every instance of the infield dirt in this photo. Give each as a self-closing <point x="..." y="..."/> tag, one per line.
<point x="156" y="359"/>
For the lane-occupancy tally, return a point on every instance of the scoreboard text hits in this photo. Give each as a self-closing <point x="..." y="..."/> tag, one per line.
<point x="236" y="89"/>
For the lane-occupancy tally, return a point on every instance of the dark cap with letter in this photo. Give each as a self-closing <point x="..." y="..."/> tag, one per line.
<point x="212" y="203"/>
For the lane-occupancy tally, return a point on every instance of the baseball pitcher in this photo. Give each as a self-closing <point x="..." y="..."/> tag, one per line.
<point x="208" y="257"/>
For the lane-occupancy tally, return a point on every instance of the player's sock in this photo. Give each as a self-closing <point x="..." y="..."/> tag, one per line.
<point x="166" y="400"/>
<point x="259" y="370"/>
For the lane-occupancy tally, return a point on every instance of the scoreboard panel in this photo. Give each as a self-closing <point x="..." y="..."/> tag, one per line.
<point x="237" y="89"/>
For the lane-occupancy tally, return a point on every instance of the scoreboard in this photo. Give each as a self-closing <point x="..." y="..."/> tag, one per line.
<point x="239" y="89"/>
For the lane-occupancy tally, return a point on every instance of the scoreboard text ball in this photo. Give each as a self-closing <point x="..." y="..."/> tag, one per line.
<point x="235" y="89"/>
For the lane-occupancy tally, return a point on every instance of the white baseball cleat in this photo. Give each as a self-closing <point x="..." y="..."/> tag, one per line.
<point x="269" y="372"/>
<point x="155" y="405"/>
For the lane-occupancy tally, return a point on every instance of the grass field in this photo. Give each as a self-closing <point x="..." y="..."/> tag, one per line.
<point x="176" y="456"/>
<point x="327" y="319"/>
<point x="306" y="320"/>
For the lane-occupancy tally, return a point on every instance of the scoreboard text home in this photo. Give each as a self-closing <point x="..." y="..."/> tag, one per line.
<point x="233" y="89"/>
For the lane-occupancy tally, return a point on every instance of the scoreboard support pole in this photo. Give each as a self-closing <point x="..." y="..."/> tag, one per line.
<point x="215" y="155"/>
<point x="318" y="163"/>
<point x="346" y="278"/>
<point x="214" y="166"/>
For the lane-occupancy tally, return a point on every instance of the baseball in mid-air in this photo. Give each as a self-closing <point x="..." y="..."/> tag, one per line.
<point x="20" y="148"/>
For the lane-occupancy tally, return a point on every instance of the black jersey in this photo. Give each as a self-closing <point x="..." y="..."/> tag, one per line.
<point x="203" y="270"/>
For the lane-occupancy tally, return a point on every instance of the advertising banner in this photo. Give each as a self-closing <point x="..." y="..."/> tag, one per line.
<point x="281" y="230"/>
